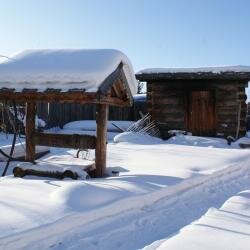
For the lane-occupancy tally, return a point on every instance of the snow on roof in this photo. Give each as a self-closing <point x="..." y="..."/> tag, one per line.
<point x="63" y="69"/>
<point x="215" y="70"/>
<point x="224" y="72"/>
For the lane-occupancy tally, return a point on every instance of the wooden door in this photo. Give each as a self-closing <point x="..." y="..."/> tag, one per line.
<point x="202" y="113"/>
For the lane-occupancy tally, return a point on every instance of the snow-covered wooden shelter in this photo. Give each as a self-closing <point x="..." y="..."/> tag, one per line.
<point x="103" y="77"/>
<point x="205" y="101"/>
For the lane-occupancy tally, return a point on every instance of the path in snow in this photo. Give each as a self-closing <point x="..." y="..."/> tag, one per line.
<point x="132" y="224"/>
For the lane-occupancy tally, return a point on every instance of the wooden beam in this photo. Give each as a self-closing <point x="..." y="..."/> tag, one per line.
<point x="64" y="97"/>
<point x="115" y="89"/>
<point x="49" y="96"/>
<point x="101" y="140"/>
<point x="75" y="141"/>
<point x="127" y="87"/>
<point x="111" y="79"/>
<point x="114" y="101"/>
<point x="29" y="131"/>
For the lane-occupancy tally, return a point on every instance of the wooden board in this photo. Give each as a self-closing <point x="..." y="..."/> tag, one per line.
<point x="64" y="97"/>
<point x="201" y="113"/>
<point x="64" y="140"/>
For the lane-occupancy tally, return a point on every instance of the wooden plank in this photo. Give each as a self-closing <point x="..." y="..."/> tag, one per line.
<point x="226" y="102"/>
<point x="165" y="119"/>
<point x="21" y="172"/>
<point x="171" y="125"/>
<point x="75" y="141"/>
<point x="175" y="101"/>
<point x="168" y="94"/>
<point x="169" y="109"/>
<point x="29" y="131"/>
<point x="111" y="79"/>
<point x="117" y="88"/>
<point x="227" y="117"/>
<point x="48" y="96"/>
<point x="67" y="97"/>
<point x="101" y="140"/>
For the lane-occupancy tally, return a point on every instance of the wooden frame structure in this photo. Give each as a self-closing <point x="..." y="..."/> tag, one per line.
<point x="114" y="90"/>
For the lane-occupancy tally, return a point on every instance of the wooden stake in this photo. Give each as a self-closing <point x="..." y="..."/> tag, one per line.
<point x="29" y="131"/>
<point x="101" y="140"/>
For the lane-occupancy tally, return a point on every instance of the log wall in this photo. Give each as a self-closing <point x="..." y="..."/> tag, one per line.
<point x="167" y="102"/>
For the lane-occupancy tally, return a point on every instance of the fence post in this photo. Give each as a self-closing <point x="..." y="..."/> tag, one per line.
<point x="101" y="140"/>
<point x="29" y="131"/>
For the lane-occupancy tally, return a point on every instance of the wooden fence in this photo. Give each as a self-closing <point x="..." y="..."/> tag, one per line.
<point x="58" y="114"/>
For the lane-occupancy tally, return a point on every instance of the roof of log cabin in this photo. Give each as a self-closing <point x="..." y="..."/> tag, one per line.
<point x="224" y="72"/>
<point x="94" y="72"/>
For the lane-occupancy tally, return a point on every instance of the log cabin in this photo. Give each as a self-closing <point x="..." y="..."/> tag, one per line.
<point x="204" y="101"/>
<point x="102" y="77"/>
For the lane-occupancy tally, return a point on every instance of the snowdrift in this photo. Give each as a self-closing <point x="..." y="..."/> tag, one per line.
<point x="225" y="228"/>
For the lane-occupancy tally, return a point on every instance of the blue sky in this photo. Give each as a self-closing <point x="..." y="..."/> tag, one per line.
<point x="153" y="33"/>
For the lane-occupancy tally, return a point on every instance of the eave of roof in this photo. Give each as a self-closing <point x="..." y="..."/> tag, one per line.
<point x="223" y="73"/>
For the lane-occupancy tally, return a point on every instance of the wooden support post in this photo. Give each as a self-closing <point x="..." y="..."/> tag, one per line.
<point x="101" y="140"/>
<point x="29" y="131"/>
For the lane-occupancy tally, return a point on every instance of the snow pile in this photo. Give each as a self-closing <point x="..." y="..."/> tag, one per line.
<point x="63" y="69"/>
<point x="39" y="123"/>
<point x="188" y="140"/>
<point x="243" y="140"/>
<point x="90" y="125"/>
<point x="224" y="228"/>
<point x="215" y="70"/>
<point x="137" y="138"/>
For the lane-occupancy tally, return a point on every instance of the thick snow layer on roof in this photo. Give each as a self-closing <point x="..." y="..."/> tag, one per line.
<point x="215" y="70"/>
<point x="63" y="69"/>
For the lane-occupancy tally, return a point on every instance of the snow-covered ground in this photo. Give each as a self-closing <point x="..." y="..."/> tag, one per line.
<point x="162" y="187"/>
<point x="225" y="228"/>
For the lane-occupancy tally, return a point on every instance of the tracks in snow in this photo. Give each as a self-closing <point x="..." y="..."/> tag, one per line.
<point x="136" y="221"/>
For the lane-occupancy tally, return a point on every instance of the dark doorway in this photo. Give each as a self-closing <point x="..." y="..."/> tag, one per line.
<point x="201" y="113"/>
